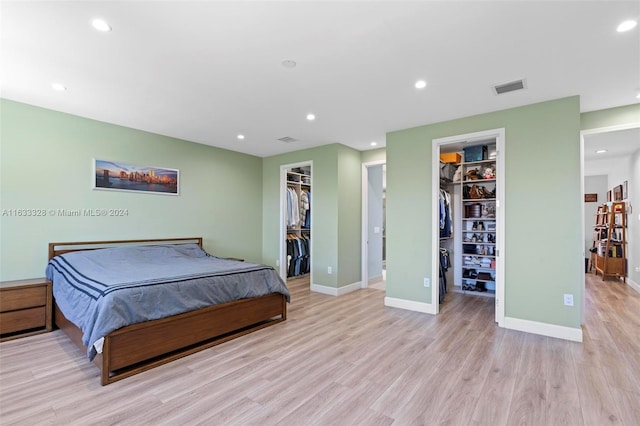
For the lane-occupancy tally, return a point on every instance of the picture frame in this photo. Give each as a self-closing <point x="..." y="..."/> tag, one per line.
<point x="617" y="193"/>
<point x="118" y="176"/>
<point x="591" y="198"/>
<point x="609" y="195"/>
<point x="625" y="189"/>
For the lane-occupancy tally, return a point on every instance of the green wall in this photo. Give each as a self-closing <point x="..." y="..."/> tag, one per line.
<point x="46" y="163"/>
<point x="371" y="155"/>
<point x="610" y="117"/>
<point x="335" y="212"/>
<point x="349" y="215"/>
<point x="541" y="205"/>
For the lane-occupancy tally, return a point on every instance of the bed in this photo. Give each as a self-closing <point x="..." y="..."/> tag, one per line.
<point x="136" y="304"/>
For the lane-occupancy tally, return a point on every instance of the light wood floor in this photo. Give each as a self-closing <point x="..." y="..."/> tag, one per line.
<point x="350" y="360"/>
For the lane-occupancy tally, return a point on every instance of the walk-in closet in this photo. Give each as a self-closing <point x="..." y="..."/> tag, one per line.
<point x="297" y="217"/>
<point x="469" y="217"/>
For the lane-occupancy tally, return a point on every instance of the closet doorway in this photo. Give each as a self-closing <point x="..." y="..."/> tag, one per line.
<point x="296" y="183"/>
<point x="373" y="225"/>
<point x="475" y="242"/>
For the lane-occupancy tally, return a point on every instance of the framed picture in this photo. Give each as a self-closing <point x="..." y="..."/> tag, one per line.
<point x="116" y="176"/>
<point x="590" y="198"/>
<point x="608" y="195"/>
<point x="625" y="189"/>
<point x="617" y="193"/>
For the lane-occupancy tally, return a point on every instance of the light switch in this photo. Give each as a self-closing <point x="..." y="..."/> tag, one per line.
<point x="376" y="229"/>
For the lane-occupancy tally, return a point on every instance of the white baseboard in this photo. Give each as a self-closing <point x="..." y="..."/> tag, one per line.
<point x="544" y="329"/>
<point x="409" y="305"/>
<point x="336" y="291"/>
<point x="634" y="285"/>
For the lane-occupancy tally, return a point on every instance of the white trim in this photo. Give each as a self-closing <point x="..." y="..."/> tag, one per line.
<point x="336" y="291"/>
<point x="634" y="285"/>
<point x="544" y="329"/>
<point x="282" y="269"/>
<point x="499" y="135"/>
<point x="282" y="256"/>
<point x="364" y="244"/>
<point x="410" y="305"/>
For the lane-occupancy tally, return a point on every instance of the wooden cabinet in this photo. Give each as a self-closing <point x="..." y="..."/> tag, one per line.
<point x="25" y="308"/>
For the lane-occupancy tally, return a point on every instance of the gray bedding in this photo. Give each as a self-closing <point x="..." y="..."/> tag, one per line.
<point x="103" y="290"/>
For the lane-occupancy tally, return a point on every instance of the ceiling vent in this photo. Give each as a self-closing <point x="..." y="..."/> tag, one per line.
<point x="499" y="89"/>
<point x="287" y="139"/>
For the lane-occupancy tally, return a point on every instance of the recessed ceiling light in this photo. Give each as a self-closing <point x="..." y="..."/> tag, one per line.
<point x="627" y="25"/>
<point x="373" y="144"/>
<point x="59" y="87"/>
<point x="101" y="25"/>
<point x="421" y="84"/>
<point x="288" y="63"/>
<point x="240" y="137"/>
<point x="311" y="117"/>
<point x="601" y="151"/>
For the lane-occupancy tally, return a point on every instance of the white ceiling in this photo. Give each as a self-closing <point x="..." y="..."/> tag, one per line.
<point x="205" y="71"/>
<point x="619" y="144"/>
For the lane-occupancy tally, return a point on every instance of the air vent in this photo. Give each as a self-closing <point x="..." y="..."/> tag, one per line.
<point x="509" y="87"/>
<point x="287" y="139"/>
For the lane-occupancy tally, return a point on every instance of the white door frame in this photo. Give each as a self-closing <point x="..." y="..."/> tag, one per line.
<point x="283" y="227"/>
<point x="365" y="220"/>
<point x="499" y="135"/>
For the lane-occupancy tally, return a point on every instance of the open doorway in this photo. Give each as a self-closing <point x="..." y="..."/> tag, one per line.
<point x="296" y="230"/>
<point x="476" y="226"/>
<point x="373" y="225"/>
<point x="611" y="159"/>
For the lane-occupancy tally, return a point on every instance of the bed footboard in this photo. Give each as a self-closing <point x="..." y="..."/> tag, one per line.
<point x="139" y="347"/>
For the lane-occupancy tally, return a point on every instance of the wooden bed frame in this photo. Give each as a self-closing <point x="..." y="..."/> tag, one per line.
<point x="140" y="347"/>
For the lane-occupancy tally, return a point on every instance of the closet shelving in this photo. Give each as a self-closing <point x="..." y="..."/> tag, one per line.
<point x="479" y="198"/>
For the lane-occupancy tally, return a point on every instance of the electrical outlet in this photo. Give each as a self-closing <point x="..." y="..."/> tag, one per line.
<point x="329" y="270"/>
<point x="568" y="299"/>
<point x="427" y="282"/>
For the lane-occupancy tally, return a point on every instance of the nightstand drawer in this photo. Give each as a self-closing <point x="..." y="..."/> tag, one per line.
<point x="23" y="319"/>
<point x="25" y="308"/>
<point x="21" y="298"/>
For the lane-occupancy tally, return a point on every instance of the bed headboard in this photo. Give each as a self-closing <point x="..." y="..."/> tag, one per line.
<point x="66" y="247"/>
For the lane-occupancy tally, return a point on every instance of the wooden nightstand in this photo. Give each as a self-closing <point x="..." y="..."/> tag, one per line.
<point x="25" y="308"/>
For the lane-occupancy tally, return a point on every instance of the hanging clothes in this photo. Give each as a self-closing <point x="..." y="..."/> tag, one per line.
<point x="305" y="206"/>
<point x="298" y="255"/>
<point x="445" y="263"/>
<point x="293" y="208"/>
<point x="446" y="219"/>
<point x="307" y="216"/>
<point x="446" y="231"/>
